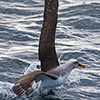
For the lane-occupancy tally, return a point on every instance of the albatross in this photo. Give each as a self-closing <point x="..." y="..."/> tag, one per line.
<point x="51" y="74"/>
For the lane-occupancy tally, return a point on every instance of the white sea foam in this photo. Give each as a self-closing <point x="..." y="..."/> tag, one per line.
<point x="6" y="89"/>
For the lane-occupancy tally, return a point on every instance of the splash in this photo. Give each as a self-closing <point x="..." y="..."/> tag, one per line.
<point x="33" y="66"/>
<point x="73" y="78"/>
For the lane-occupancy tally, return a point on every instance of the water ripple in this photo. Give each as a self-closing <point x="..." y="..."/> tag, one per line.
<point x="77" y="36"/>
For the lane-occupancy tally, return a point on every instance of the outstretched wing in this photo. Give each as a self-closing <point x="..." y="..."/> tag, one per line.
<point x="26" y="81"/>
<point x="47" y="52"/>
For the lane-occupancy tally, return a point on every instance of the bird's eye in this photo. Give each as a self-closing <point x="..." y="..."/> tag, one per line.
<point x="75" y="62"/>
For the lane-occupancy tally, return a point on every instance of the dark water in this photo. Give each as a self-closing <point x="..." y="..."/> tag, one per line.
<point x="77" y="36"/>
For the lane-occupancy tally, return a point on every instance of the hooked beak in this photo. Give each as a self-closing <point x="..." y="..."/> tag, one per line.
<point x="81" y="65"/>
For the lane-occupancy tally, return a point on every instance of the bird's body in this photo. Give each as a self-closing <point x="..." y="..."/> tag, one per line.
<point x="61" y="71"/>
<point x="49" y="82"/>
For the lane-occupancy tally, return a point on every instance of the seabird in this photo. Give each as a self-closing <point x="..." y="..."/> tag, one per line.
<point x="51" y="74"/>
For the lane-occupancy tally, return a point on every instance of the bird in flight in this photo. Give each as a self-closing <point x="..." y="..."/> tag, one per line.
<point x="51" y="74"/>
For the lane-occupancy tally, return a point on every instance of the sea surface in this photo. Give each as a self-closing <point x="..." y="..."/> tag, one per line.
<point x="77" y="36"/>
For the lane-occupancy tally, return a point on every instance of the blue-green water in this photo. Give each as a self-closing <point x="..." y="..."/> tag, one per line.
<point x="77" y="36"/>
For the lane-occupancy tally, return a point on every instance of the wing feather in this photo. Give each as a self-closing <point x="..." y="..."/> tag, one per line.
<point x="47" y="52"/>
<point x="26" y="81"/>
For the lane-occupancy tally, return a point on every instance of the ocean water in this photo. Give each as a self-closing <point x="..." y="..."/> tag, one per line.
<point x="77" y="36"/>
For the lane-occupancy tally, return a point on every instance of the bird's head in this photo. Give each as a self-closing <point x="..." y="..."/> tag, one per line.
<point x="74" y="63"/>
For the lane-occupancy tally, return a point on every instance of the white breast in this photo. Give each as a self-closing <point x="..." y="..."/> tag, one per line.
<point x="54" y="83"/>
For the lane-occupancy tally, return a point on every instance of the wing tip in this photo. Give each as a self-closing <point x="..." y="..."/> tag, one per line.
<point x="18" y="89"/>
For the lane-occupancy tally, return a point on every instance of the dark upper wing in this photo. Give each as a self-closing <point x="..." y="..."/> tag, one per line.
<point x="47" y="52"/>
<point x="25" y="81"/>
